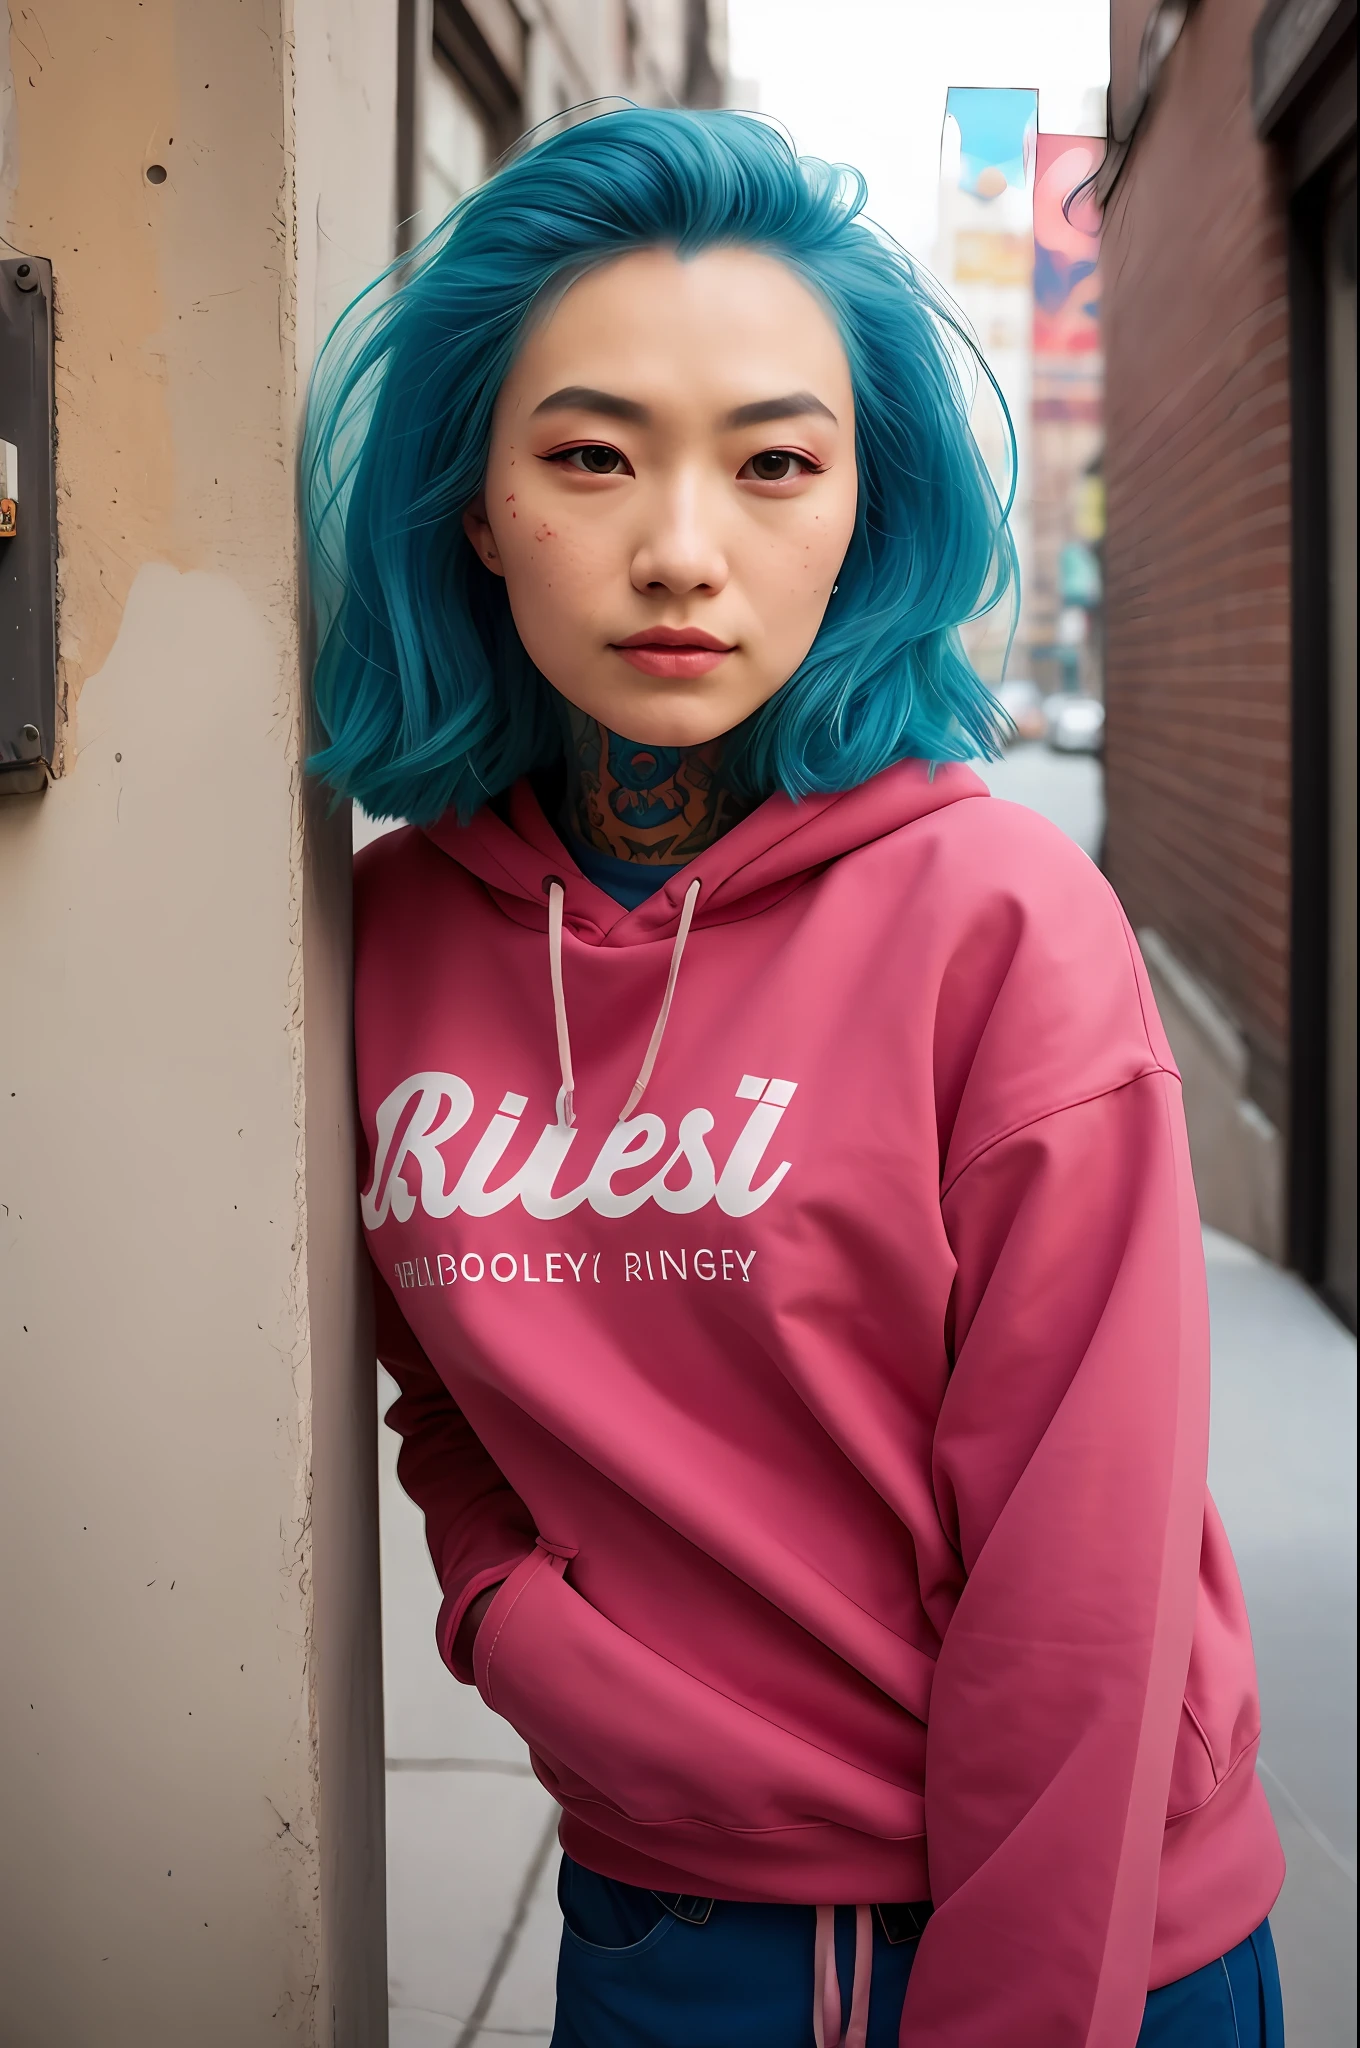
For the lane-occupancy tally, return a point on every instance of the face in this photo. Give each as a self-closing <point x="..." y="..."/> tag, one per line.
<point x="671" y="489"/>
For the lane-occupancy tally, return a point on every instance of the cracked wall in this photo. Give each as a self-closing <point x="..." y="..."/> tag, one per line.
<point x="189" y="1707"/>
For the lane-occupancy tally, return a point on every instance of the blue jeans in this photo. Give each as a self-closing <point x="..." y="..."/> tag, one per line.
<point x="634" y="1975"/>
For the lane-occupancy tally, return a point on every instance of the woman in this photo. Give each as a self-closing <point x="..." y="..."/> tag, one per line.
<point x="775" y="1175"/>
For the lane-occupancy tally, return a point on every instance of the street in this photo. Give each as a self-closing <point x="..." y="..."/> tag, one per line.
<point x="472" y="1859"/>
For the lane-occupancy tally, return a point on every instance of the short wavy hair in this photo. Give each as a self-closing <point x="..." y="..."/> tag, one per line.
<point x="425" y="696"/>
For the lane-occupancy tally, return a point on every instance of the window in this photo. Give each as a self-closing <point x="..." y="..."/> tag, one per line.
<point x="456" y="146"/>
<point x="460" y="76"/>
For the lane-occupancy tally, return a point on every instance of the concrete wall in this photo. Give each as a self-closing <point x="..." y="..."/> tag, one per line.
<point x="1237" y="1153"/>
<point x="190" y="1707"/>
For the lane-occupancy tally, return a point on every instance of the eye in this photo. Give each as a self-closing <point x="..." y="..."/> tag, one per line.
<point x="592" y="458"/>
<point x="777" y="466"/>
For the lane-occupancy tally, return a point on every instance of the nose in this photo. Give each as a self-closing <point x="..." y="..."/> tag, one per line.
<point x="679" y="550"/>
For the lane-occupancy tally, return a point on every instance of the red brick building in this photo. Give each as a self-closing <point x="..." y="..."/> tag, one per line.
<point x="1229" y="281"/>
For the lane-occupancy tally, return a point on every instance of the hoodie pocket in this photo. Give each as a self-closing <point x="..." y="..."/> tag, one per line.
<point x="1220" y="1717"/>
<point x="613" y="1722"/>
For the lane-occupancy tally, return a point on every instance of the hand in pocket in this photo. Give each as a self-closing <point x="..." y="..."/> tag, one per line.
<point x="472" y="1621"/>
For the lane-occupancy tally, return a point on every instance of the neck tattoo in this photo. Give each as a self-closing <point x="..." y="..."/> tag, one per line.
<point x="646" y="803"/>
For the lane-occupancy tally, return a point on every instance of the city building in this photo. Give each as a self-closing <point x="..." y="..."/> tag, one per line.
<point x="1229" y="252"/>
<point x="473" y="75"/>
<point x="984" y="257"/>
<point x="1016" y="250"/>
<point x="1063" y="597"/>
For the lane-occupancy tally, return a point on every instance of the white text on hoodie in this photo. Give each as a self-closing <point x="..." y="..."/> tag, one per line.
<point x="430" y="1108"/>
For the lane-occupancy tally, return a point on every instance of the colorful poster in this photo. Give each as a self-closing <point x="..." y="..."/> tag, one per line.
<point x="996" y="136"/>
<point x="985" y="260"/>
<point x="1066" y="279"/>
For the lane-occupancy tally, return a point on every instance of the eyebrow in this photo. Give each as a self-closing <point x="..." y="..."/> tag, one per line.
<point x="794" y="405"/>
<point x="581" y="398"/>
<point x="584" y="398"/>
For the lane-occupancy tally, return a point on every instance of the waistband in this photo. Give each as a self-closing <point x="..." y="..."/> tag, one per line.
<point x="898" y="1922"/>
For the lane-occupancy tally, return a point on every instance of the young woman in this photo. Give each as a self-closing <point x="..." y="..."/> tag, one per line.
<point x="775" y="1175"/>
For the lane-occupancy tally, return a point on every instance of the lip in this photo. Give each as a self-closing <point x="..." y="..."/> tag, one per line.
<point x="676" y="636"/>
<point x="673" y="651"/>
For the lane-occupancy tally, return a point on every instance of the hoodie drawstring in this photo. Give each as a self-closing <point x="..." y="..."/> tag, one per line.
<point x="659" y="1028"/>
<point x="826" y="1991"/>
<point x="566" y="1100"/>
<point x="566" y="1096"/>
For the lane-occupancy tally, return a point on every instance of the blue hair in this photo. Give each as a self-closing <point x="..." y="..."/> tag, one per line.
<point x="425" y="695"/>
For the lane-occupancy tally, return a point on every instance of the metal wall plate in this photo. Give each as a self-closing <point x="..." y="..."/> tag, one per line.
<point x="28" y="555"/>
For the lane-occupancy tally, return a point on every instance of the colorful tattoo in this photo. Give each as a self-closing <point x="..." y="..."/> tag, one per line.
<point x="646" y="803"/>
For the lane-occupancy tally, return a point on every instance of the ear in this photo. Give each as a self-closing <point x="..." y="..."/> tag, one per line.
<point x="477" y="527"/>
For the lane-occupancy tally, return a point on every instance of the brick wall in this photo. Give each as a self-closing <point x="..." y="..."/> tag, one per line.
<point x="1197" y="553"/>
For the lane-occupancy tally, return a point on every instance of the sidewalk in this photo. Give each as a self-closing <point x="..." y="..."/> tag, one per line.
<point x="472" y="1921"/>
<point x="472" y="1859"/>
<point x="1282" y="1470"/>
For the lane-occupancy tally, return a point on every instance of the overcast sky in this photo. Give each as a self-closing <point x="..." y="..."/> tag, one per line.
<point x="863" y="81"/>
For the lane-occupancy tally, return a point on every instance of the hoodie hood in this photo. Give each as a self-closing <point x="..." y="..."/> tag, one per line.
<point x="532" y="875"/>
<point x="763" y="857"/>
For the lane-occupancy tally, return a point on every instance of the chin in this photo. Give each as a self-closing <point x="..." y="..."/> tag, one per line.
<point x="661" y="722"/>
<point x="661" y="731"/>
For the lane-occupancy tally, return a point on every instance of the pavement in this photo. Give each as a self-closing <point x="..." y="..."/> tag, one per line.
<point x="472" y="1916"/>
<point x="472" y="1921"/>
<point x="1282" y="1471"/>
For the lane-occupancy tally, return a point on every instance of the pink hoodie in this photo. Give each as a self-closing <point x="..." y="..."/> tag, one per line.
<point x="838" y="1422"/>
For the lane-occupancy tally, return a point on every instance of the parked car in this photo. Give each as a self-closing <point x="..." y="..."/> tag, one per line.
<point x="1025" y="704"/>
<point x="1074" y="724"/>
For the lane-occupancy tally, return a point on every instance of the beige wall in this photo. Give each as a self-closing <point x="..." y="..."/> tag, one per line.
<point x="190" y="1705"/>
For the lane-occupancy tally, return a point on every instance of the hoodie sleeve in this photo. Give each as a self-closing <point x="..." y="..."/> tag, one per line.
<point x="1070" y="1473"/>
<point x="477" y="1527"/>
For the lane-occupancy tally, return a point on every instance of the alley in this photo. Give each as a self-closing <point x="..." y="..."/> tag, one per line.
<point x="559" y="434"/>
